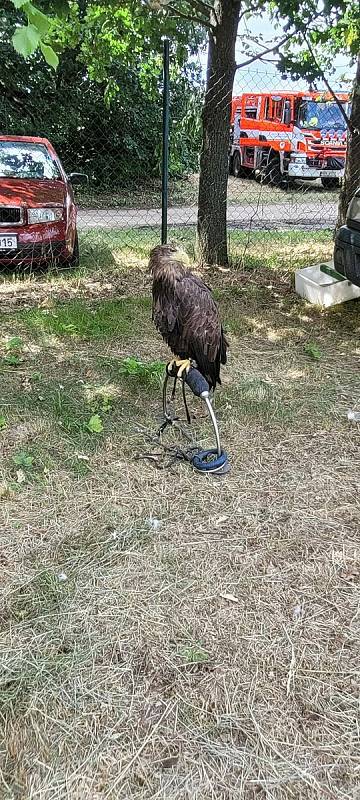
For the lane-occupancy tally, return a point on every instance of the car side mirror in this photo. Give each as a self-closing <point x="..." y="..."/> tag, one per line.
<point x="78" y="179"/>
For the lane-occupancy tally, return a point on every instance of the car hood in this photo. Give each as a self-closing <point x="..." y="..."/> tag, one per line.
<point x="30" y="193"/>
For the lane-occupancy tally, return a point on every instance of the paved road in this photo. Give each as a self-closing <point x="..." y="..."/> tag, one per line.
<point x="288" y="214"/>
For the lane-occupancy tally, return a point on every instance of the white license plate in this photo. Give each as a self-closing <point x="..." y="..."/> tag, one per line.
<point x="8" y="242"/>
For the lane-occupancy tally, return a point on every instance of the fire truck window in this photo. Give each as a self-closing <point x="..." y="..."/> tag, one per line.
<point x="251" y="112"/>
<point x="266" y="110"/>
<point x="278" y="107"/>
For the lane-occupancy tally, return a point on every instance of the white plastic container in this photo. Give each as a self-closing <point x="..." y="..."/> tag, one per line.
<point x="321" y="289"/>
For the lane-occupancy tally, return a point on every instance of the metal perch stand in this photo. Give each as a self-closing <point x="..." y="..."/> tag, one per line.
<point x="213" y="460"/>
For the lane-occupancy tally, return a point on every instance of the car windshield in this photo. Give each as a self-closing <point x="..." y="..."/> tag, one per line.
<point x="321" y="116"/>
<point x="27" y="160"/>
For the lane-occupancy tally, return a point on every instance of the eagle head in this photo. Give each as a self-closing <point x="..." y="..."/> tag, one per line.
<point x="165" y="258"/>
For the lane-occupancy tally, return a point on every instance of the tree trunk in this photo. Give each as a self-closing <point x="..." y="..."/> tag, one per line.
<point x="212" y="234"/>
<point x="352" y="169"/>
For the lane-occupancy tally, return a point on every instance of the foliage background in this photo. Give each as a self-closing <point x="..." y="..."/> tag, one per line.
<point x="102" y="107"/>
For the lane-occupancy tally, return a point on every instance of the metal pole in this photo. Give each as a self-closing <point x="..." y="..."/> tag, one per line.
<point x="205" y="396"/>
<point x="165" y="145"/>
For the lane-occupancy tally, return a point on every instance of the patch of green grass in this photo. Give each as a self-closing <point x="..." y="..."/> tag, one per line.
<point x="282" y="250"/>
<point x="131" y="374"/>
<point x="104" y="319"/>
<point x="63" y="403"/>
<point x="64" y="406"/>
<point x="115" y="248"/>
<point x="313" y="351"/>
<point x="14" y="344"/>
<point x="28" y="468"/>
<point x="278" y="250"/>
<point x="194" y="654"/>
<point x="45" y="594"/>
<point x="148" y="374"/>
<point x="23" y="460"/>
<point x="13" y="352"/>
<point x="70" y="408"/>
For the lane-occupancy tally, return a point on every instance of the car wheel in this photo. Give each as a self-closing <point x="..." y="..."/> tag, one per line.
<point x="330" y="183"/>
<point x="73" y="260"/>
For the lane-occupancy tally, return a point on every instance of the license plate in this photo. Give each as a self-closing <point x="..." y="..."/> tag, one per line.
<point x="8" y="242"/>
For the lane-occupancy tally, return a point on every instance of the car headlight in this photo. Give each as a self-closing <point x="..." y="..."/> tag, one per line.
<point x="44" y="215"/>
<point x="354" y="209"/>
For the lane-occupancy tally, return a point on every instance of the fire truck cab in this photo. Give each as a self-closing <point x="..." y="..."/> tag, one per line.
<point x="283" y="136"/>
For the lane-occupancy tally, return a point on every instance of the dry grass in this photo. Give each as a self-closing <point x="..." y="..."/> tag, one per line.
<point x="166" y="635"/>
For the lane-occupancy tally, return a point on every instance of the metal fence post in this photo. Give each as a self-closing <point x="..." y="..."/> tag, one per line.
<point x="165" y="144"/>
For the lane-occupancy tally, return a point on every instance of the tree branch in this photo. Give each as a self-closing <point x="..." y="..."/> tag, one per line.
<point x="248" y="10"/>
<point x="264" y="52"/>
<point x="189" y="17"/>
<point x="201" y="4"/>
<point x="327" y="84"/>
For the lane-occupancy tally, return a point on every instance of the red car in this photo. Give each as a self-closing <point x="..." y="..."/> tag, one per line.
<point x="37" y="207"/>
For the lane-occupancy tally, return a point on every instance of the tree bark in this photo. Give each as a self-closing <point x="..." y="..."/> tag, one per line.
<point x="221" y="66"/>
<point x="352" y="169"/>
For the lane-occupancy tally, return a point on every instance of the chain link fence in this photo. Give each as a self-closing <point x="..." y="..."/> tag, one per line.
<point x="286" y="163"/>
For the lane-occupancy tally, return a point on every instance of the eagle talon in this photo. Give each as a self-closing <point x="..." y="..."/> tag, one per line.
<point x="177" y="366"/>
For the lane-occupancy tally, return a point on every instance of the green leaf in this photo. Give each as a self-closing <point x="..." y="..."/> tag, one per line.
<point x="12" y="360"/>
<point x="49" y="54"/>
<point x="14" y="343"/>
<point x="38" y="19"/>
<point x="3" y="422"/>
<point x="194" y="654"/>
<point x="313" y="351"/>
<point x="26" y="39"/>
<point x="95" y="424"/>
<point x="70" y="327"/>
<point x="23" y="460"/>
<point x="19" y="3"/>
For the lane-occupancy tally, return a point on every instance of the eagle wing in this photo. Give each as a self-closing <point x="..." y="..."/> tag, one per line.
<point x="187" y="316"/>
<point x="201" y="334"/>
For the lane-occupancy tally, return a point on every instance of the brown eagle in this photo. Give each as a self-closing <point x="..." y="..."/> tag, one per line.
<point x="186" y="315"/>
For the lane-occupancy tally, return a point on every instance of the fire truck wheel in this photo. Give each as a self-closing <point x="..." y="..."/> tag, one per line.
<point x="330" y="183"/>
<point x="237" y="170"/>
<point x="272" y="172"/>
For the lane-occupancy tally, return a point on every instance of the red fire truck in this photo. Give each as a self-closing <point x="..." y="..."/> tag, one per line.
<point x="283" y="136"/>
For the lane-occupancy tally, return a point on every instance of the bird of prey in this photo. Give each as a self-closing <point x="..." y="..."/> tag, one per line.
<point x="186" y="315"/>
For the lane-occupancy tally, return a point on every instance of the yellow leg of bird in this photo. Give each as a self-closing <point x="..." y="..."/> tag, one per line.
<point x="181" y="365"/>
